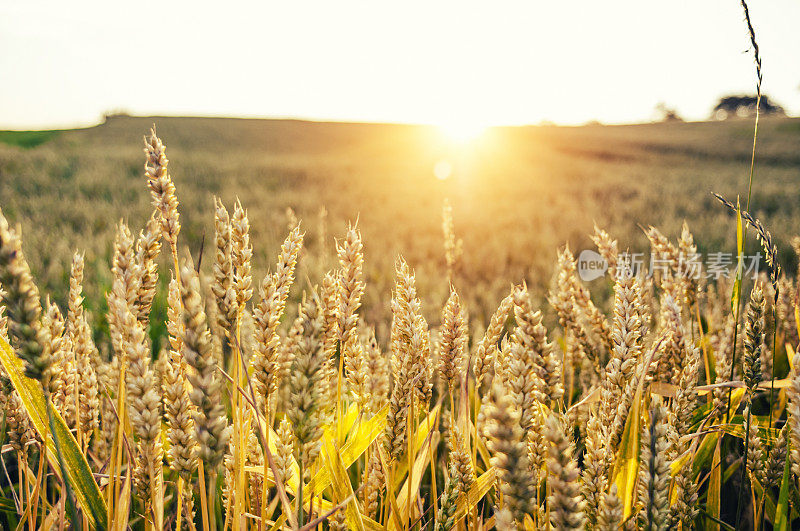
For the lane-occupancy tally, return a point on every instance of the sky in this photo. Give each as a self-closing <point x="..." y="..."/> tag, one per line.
<point x="65" y="64"/>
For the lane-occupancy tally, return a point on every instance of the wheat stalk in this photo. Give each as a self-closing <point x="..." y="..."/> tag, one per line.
<point x="23" y="309"/>
<point x="487" y="348"/>
<point x="273" y="292"/>
<point x="510" y="457"/>
<point x="241" y="255"/>
<point x="162" y="188"/>
<point x="530" y="338"/>
<point x="206" y="394"/>
<point x="147" y="248"/>
<point x="654" y="475"/>
<point x="453" y="343"/>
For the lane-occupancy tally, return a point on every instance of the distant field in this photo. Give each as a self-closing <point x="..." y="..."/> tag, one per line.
<point x="517" y="193"/>
<point x="26" y="139"/>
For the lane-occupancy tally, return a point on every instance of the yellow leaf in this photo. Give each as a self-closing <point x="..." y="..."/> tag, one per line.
<point x="627" y="465"/>
<point x="714" y="488"/>
<point x="420" y="464"/>
<point x="528" y="523"/>
<point x="366" y="433"/>
<point x="782" y="518"/>
<point x="395" y="510"/>
<point x="342" y="488"/>
<point x="122" y="510"/>
<point x="278" y="523"/>
<point x="420" y="438"/>
<point x="79" y="475"/>
<point x="476" y="493"/>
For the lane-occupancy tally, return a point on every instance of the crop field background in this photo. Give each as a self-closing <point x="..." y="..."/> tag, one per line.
<point x="518" y="194"/>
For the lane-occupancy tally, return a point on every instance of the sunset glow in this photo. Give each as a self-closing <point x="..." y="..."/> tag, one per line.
<point x="462" y="131"/>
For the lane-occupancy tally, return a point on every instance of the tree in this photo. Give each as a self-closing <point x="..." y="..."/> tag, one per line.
<point x="744" y="106"/>
<point x="667" y="114"/>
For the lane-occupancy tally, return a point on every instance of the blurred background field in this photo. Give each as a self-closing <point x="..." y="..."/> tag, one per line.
<point x="517" y="194"/>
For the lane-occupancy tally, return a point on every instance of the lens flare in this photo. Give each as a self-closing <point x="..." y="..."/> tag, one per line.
<point x="443" y="170"/>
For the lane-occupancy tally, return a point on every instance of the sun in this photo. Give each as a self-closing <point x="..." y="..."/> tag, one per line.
<point x="462" y="131"/>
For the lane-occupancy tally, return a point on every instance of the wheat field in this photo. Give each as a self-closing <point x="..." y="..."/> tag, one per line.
<point x="517" y="195"/>
<point x="222" y="353"/>
<point x="306" y="326"/>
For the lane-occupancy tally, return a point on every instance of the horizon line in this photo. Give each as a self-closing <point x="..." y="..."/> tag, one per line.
<point x="308" y="119"/>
